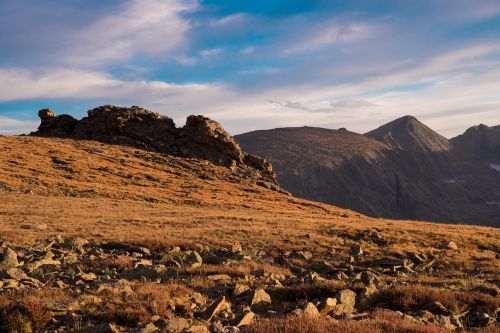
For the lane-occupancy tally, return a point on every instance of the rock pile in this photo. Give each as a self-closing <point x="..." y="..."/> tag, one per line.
<point x="110" y="287"/>
<point x="200" y="138"/>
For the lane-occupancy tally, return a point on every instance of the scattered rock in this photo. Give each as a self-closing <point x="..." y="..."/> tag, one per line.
<point x="346" y="300"/>
<point x="150" y="328"/>
<point x="437" y="308"/>
<point x="236" y="248"/>
<point x="102" y="328"/>
<point x="126" y="247"/>
<point x="76" y="244"/>
<point x="327" y="306"/>
<point x="8" y="260"/>
<point x="218" y="306"/>
<point x="311" y="311"/>
<point x="244" y="319"/>
<point x="176" y="325"/>
<point x="16" y="274"/>
<point x="449" y="246"/>
<point x="193" y="259"/>
<point x="356" y="250"/>
<point x="260" y="300"/>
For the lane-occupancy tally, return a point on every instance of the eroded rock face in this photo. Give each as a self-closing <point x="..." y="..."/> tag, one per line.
<point x="201" y="137"/>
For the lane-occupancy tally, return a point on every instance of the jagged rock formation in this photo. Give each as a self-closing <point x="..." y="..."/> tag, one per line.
<point x="400" y="170"/>
<point x="201" y="137"/>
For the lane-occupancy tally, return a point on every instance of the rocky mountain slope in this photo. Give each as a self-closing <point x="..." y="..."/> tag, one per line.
<point x="100" y="237"/>
<point x="400" y="170"/>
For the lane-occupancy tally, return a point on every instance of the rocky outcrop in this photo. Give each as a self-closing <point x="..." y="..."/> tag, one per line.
<point x="201" y="137"/>
<point x="53" y="125"/>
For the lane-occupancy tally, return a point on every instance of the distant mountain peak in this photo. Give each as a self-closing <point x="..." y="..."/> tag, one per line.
<point x="408" y="133"/>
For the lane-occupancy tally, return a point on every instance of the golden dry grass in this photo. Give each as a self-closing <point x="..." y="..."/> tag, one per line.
<point x="106" y="192"/>
<point x="52" y="187"/>
<point x="381" y="321"/>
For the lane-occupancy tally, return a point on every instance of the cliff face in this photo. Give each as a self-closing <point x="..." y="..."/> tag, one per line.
<point x="200" y="138"/>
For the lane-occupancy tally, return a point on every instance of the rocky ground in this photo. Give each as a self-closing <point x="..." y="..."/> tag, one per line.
<point x="73" y="285"/>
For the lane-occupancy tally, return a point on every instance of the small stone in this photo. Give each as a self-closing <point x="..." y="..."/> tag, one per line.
<point x="236" y="248"/>
<point x="449" y="246"/>
<point x="437" y="308"/>
<point x="76" y="244"/>
<point x="198" y="329"/>
<point x="149" y="328"/>
<point x="218" y="306"/>
<point x="10" y="284"/>
<point x="88" y="277"/>
<point x="327" y="306"/>
<point x="311" y="311"/>
<point x="102" y="328"/>
<point x="176" y="325"/>
<point x="356" y="250"/>
<point x="193" y="260"/>
<point x="16" y="274"/>
<point x="347" y="299"/>
<point x="8" y="259"/>
<point x="260" y="300"/>
<point x="240" y="289"/>
<point x="244" y="319"/>
<point x="126" y="247"/>
<point x="219" y="277"/>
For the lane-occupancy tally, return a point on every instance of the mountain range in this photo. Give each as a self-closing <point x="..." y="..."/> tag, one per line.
<point x="402" y="169"/>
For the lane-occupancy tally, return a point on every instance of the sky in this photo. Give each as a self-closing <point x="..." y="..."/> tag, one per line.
<point x="254" y="64"/>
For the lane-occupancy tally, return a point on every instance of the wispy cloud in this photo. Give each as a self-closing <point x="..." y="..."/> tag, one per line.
<point x="9" y="126"/>
<point x="211" y="53"/>
<point x="151" y="28"/>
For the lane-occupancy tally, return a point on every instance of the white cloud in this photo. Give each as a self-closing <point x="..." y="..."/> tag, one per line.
<point x="142" y="27"/>
<point x="211" y="53"/>
<point x="351" y="103"/>
<point x="248" y="50"/>
<point x="9" y="126"/>
<point x="330" y="33"/>
<point x="228" y="20"/>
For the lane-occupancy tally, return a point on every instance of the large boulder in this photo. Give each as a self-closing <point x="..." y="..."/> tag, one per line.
<point x="205" y="138"/>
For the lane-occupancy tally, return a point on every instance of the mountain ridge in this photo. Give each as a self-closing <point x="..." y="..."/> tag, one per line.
<point x="415" y="173"/>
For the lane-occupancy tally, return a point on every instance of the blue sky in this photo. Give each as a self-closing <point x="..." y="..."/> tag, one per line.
<point x="254" y="64"/>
